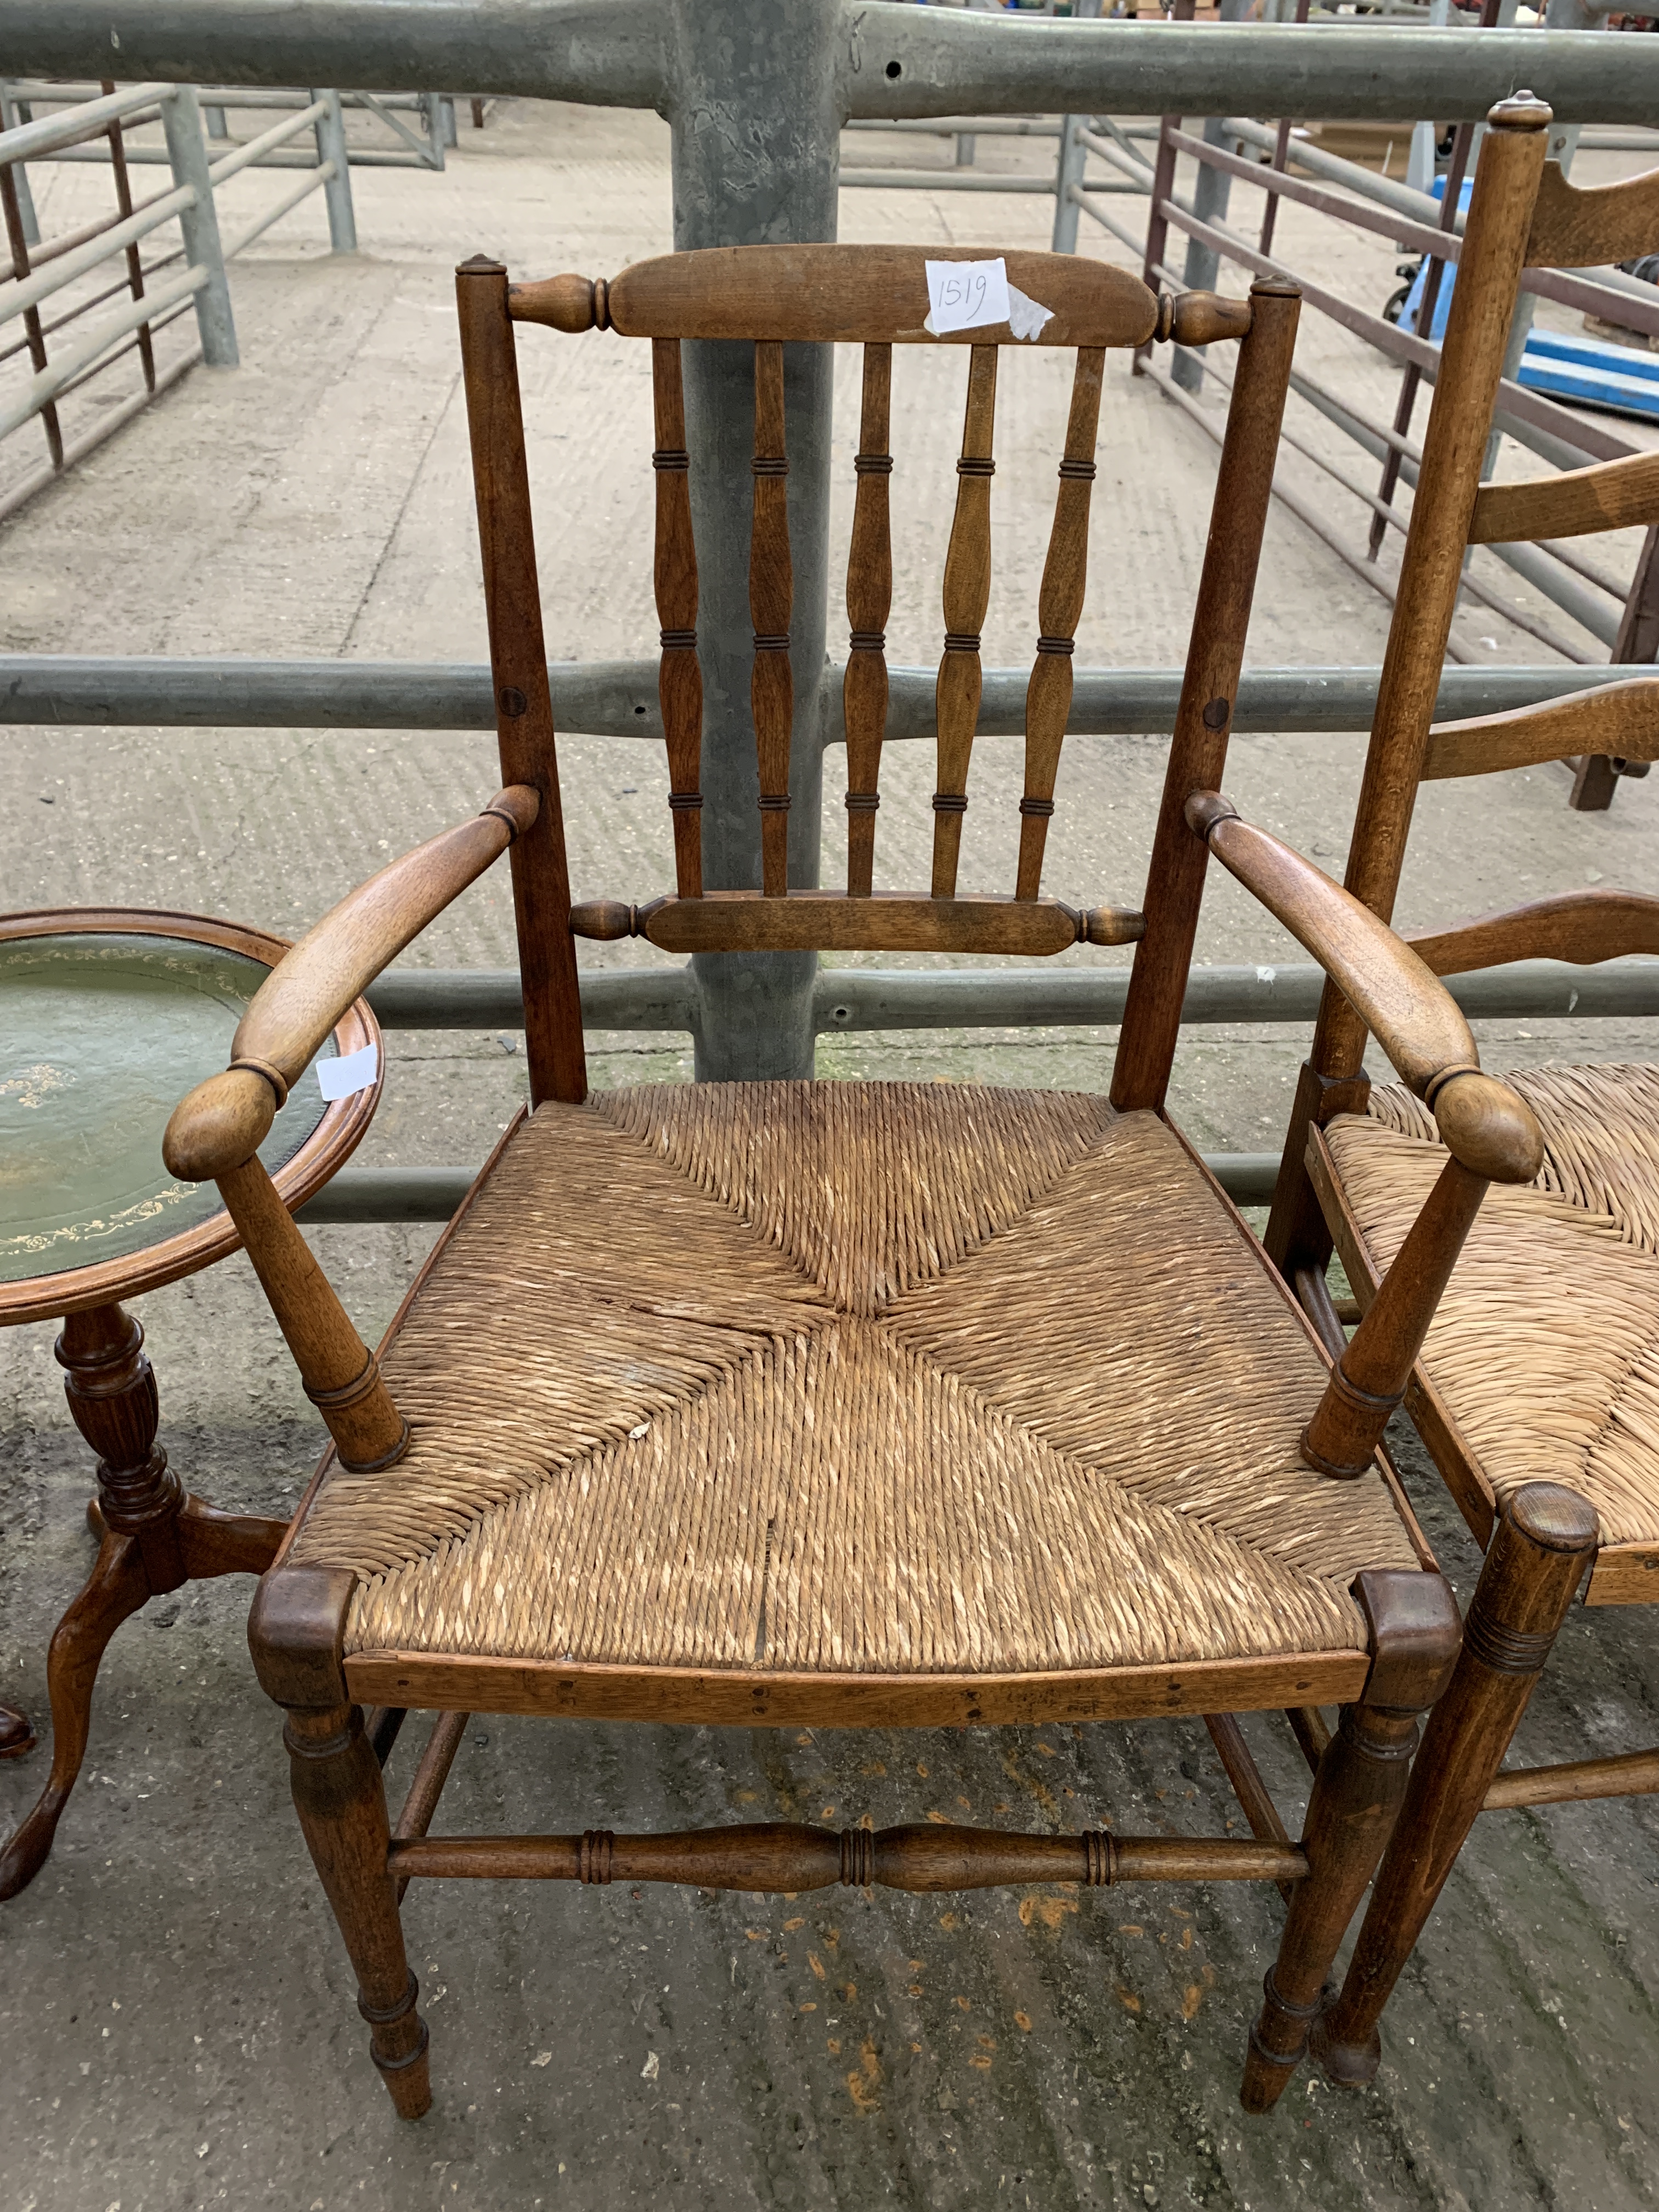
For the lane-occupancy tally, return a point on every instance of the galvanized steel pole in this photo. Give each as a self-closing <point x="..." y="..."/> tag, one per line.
<point x="181" y="123"/>
<point x="756" y="131"/>
<point x="332" y="147"/>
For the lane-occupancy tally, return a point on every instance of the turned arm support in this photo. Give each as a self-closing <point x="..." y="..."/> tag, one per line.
<point x="217" y="1130"/>
<point x="1490" y="1134"/>
<point x="1405" y="1005"/>
<point x="225" y="1120"/>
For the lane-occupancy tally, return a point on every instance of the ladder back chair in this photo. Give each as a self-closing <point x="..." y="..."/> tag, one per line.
<point x="834" y="1404"/>
<point x="1534" y="1391"/>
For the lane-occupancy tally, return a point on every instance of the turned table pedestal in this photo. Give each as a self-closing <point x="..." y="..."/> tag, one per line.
<point x="107" y="1017"/>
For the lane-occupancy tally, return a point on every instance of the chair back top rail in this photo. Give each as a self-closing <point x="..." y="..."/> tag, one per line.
<point x="839" y="295"/>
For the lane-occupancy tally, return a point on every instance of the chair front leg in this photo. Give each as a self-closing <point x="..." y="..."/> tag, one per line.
<point x="341" y="1800"/>
<point x="1357" y="1794"/>
<point x="1545" y="1538"/>
<point x="296" y="1632"/>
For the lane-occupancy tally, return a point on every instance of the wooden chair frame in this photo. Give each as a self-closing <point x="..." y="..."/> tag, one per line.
<point x="876" y="296"/>
<point x="1523" y="214"/>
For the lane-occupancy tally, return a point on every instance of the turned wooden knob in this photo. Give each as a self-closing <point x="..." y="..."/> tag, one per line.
<point x="1485" y="1125"/>
<point x="1200" y="319"/>
<point x="222" y="1123"/>
<point x="564" y="303"/>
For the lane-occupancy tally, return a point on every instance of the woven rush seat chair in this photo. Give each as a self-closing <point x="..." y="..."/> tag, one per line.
<point x="853" y="1404"/>
<point x="1537" y="1392"/>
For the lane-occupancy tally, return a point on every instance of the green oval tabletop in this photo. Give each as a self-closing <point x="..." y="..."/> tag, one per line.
<point x="100" y="1036"/>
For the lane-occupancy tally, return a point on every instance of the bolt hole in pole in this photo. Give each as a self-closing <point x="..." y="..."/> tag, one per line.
<point x="895" y="69"/>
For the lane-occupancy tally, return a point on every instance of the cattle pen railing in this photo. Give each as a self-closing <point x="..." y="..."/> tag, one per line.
<point x="618" y="700"/>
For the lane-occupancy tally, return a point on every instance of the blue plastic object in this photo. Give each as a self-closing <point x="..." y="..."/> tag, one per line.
<point x="1413" y="307"/>
<point x="1582" y="372"/>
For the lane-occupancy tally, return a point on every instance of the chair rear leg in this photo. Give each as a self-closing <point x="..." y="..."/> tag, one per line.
<point x="1545" y="1538"/>
<point x="341" y="1801"/>
<point x="1357" y="1794"/>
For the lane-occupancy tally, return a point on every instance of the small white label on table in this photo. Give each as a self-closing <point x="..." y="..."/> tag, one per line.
<point x="351" y="1071"/>
<point x="963" y="294"/>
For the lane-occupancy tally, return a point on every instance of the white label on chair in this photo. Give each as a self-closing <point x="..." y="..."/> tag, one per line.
<point x="962" y="295"/>
<point x="349" y="1072"/>
<point x="1025" y="317"/>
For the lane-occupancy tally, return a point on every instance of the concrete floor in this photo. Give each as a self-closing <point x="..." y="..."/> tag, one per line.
<point x="176" y="2023"/>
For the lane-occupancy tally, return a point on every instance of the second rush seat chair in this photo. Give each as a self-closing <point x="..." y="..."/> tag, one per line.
<point x="1538" y="1391"/>
<point x="788" y="1404"/>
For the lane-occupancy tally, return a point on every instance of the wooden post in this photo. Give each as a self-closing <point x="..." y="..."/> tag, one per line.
<point x="1357" y="1793"/>
<point x="524" y="703"/>
<point x="1198" y="751"/>
<point x="1453" y="450"/>
<point x="1545" y="1538"/>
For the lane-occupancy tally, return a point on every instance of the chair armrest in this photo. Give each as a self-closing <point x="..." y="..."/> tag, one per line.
<point x="1411" y="1013"/>
<point x="224" y="1121"/>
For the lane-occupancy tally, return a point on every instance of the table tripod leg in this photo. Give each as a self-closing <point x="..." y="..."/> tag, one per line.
<point x="117" y="1587"/>
<point x="217" y="1543"/>
<point x="152" y="1539"/>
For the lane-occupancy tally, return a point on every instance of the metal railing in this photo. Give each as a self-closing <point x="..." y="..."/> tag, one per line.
<point x="86" y="122"/>
<point x="191" y="274"/>
<point x="1141" y="159"/>
<point x="786" y="95"/>
<point x="618" y="700"/>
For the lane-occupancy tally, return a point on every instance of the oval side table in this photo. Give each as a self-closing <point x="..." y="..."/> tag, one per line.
<point x="108" y="1016"/>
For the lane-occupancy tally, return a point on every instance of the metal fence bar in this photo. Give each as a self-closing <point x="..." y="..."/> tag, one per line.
<point x="618" y="698"/>
<point x="1052" y="996"/>
<point x="231" y="165"/>
<point x="943" y="180"/>
<point x="181" y="121"/>
<point x="51" y="276"/>
<point x="887" y="62"/>
<point x="64" y="368"/>
<point x="411" y="1194"/>
<point x="331" y="153"/>
<point x="29" y="142"/>
<point x="315" y="180"/>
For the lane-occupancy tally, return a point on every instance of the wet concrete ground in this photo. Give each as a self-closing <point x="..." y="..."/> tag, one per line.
<point x="176" y="2017"/>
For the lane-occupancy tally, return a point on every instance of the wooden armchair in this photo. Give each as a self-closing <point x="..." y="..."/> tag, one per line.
<point x="1539" y="1370"/>
<point x="852" y="1404"/>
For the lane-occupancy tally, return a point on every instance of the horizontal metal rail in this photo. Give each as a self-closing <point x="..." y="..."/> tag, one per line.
<point x="1052" y="996"/>
<point x="864" y="999"/>
<point x="318" y="175"/>
<point x="894" y="62"/>
<point x="618" y="698"/>
<point x="29" y="142"/>
<point x="366" y="1194"/>
<point x="943" y="180"/>
<point x="51" y="380"/>
<point x="244" y="156"/>
<point x="62" y="269"/>
<point x="963" y="126"/>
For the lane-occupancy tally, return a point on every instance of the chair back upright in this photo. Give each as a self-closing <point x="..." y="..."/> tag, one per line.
<point x="877" y="298"/>
<point x="1523" y="214"/>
